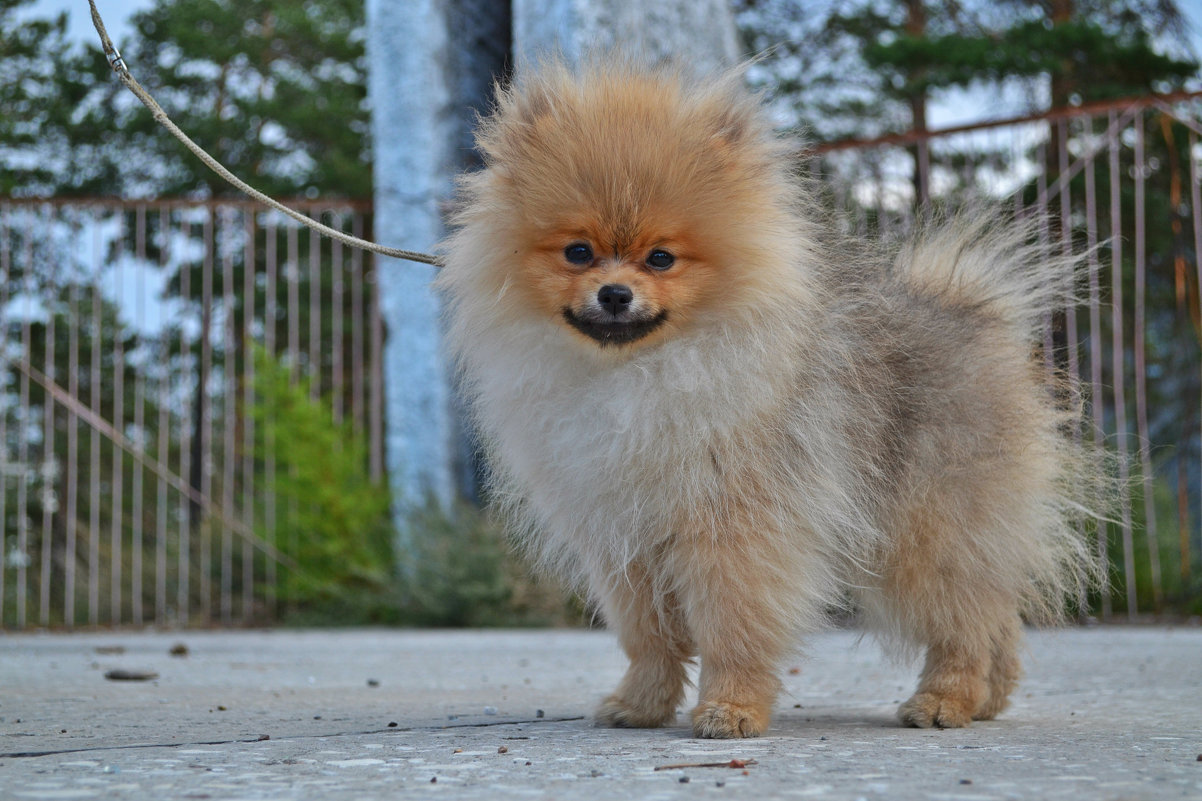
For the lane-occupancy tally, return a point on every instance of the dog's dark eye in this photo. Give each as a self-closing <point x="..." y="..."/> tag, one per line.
<point x="578" y="253"/>
<point x="660" y="260"/>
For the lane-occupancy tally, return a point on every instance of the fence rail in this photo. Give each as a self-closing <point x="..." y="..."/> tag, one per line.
<point x="138" y="474"/>
<point x="135" y="486"/>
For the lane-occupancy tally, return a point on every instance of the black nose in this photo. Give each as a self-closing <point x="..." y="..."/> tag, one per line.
<point x="615" y="298"/>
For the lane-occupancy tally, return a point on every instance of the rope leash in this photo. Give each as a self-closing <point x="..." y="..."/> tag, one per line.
<point x="119" y="66"/>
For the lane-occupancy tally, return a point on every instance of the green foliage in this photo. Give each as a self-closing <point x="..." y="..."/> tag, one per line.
<point x="454" y="569"/>
<point x="38" y="92"/>
<point x="461" y="572"/>
<point x="860" y="68"/>
<point x="456" y="565"/>
<point x="329" y="516"/>
<point x="1180" y="592"/>
<point x="813" y="72"/>
<point x="1118" y="62"/>
<point x="276" y="91"/>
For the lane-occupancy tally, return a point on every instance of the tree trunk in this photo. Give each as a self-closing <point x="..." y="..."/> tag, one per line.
<point x="916" y="26"/>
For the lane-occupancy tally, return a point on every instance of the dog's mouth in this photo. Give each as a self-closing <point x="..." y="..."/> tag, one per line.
<point x="615" y="331"/>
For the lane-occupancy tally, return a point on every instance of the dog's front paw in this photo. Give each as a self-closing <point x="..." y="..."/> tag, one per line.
<point x="718" y="720"/>
<point x="925" y="709"/>
<point x="618" y="713"/>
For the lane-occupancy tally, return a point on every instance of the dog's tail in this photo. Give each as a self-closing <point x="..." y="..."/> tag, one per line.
<point x="982" y="258"/>
<point x="1011" y="276"/>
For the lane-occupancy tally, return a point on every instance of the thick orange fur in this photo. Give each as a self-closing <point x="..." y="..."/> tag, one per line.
<point x="799" y="421"/>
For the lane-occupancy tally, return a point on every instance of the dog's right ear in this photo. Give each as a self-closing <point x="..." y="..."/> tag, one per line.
<point x="533" y="105"/>
<point x="522" y="109"/>
<point x="532" y="92"/>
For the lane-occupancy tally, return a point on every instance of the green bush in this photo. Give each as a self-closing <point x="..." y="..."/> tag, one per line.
<point x="1181" y="594"/>
<point x="461" y="571"/>
<point x="453" y="567"/>
<point x="331" y="518"/>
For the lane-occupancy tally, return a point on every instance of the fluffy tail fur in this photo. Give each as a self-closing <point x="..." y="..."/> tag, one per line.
<point x="983" y="259"/>
<point x="1006" y="272"/>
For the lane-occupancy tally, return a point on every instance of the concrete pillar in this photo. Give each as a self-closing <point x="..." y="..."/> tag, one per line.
<point x="411" y="129"/>
<point x="700" y="32"/>
<point x="431" y="66"/>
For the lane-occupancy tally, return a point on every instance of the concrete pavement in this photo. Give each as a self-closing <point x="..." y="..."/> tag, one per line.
<point x="1104" y="713"/>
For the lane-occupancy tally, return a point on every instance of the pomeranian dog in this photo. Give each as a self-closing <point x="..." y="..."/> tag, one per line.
<point x="723" y="419"/>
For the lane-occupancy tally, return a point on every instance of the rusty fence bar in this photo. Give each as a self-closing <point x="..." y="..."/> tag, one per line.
<point x="136" y="484"/>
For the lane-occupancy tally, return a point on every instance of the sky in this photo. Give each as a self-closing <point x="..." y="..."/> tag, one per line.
<point x="952" y="109"/>
<point x="956" y="108"/>
<point x="116" y="14"/>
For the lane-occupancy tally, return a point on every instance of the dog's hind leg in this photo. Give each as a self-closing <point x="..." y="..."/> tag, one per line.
<point x="654" y="637"/>
<point x="966" y="678"/>
<point x="953" y="686"/>
<point x="1004" y="669"/>
<point x="972" y="663"/>
<point x="949" y="598"/>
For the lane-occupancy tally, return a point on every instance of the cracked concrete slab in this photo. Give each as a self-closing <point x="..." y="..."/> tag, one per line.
<point x="1103" y="713"/>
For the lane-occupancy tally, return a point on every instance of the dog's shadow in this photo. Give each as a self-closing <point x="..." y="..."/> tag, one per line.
<point x="807" y="721"/>
<point x="813" y="724"/>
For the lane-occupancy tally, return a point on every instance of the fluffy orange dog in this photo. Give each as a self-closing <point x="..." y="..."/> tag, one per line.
<point x="722" y="419"/>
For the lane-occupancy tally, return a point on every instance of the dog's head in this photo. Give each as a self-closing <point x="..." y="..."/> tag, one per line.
<point x="626" y="203"/>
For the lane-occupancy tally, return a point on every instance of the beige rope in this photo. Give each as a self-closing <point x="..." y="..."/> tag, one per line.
<point x="123" y="73"/>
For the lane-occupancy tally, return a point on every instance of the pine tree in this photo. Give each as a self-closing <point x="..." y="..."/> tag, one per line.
<point x="275" y="91"/>
<point x="44" y="147"/>
<point x="853" y="68"/>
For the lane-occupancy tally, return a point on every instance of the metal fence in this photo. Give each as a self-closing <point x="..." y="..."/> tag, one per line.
<point x="1118" y="181"/>
<point x="137" y="482"/>
<point x="136" y="487"/>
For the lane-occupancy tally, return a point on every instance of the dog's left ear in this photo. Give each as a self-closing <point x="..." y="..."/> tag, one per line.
<point x="732" y="128"/>
<point x="733" y="133"/>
